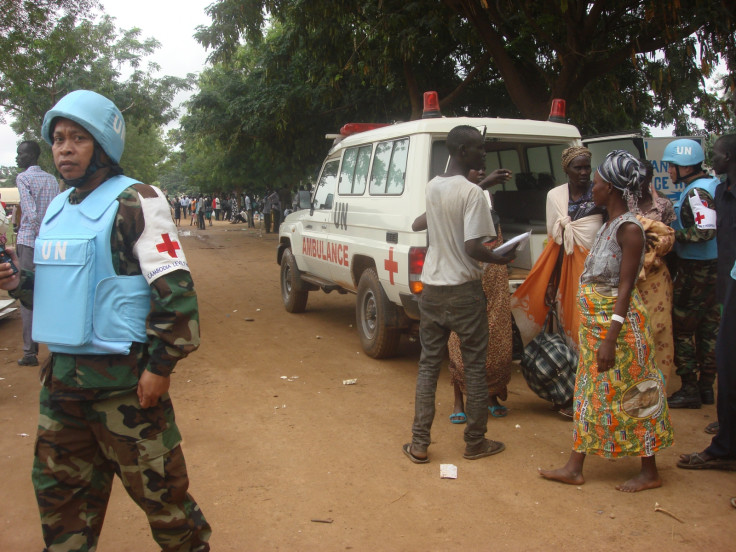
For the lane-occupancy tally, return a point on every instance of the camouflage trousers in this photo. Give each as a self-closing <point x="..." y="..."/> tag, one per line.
<point x="81" y="445"/>
<point x="695" y="318"/>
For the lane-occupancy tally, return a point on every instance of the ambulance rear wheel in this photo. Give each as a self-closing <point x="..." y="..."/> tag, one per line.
<point x="294" y="297"/>
<point x="371" y="315"/>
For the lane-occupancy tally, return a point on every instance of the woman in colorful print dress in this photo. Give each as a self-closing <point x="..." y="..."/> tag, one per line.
<point x="495" y="286"/>
<point x="620" y="403"/>
<point x="500" y="347"/>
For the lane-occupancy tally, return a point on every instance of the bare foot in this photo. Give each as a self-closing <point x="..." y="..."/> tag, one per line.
<point x="641" y="482"/>
<point x="563" y="475"/>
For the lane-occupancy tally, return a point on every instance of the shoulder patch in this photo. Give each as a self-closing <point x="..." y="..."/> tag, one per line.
<point x="158" y="249"/>
<point x="146" y="191"/>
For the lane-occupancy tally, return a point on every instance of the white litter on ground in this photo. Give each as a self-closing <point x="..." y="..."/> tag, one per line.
<point x="448" y="471"/>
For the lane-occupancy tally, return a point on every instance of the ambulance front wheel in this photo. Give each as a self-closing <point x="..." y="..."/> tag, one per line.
<point x="371" y="314"/>
<point x="294" y="297"/>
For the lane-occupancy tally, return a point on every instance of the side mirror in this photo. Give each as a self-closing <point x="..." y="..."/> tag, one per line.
<point x="304" y="199"/>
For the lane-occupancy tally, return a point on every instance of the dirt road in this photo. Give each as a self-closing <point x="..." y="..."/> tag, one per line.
<point x="276" y="444"/>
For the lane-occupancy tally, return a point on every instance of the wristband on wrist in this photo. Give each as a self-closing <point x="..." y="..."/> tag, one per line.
<point x="618" y="318"/>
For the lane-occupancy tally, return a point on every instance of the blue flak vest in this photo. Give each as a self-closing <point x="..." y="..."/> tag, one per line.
<point x="702" y="251"/>
<point x="80" y="306"/>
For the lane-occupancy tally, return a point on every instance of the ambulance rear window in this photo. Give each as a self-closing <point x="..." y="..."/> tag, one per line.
<point x="440" y="158"/>
<point x="354" y="172"/>
<point x="389" y="167"/>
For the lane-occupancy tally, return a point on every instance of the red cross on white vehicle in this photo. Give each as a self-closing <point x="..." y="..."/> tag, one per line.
<point x="391" y="265"/>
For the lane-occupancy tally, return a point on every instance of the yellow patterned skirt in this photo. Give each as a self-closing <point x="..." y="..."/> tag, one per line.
<point x="622" y="411"/>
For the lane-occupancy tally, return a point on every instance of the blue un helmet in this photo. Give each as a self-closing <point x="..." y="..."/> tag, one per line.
<point x="683" y="153"/>
<point x="98" y="116"/>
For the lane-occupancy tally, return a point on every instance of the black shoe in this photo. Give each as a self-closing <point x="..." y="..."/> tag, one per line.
<point x="28" y="360"/>
<point x="687" y="397"/>
<point x="706" y="394"/>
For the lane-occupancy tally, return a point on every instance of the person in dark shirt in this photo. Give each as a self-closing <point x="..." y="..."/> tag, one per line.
<point x="721" y="453"/>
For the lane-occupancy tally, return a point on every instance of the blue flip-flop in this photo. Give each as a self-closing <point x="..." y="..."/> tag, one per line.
<point x="498" y="411"/>
<point x="458" y="418"/>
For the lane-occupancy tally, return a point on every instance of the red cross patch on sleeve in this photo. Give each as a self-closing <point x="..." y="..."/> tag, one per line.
<point x="168" y="246"/>
<point x="158" y="248"/>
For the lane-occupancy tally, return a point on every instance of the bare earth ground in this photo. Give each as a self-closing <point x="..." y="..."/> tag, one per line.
<point x="269" y="456"/>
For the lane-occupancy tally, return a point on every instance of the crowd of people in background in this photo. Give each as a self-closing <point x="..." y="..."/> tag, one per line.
<point x="266" y="211"/>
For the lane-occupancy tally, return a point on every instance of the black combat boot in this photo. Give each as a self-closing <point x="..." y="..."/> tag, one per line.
<point x="687" y="397"/>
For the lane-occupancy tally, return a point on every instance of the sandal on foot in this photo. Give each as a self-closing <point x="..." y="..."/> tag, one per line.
<point x="695" y="461"/>
<point x="458" y="418"/>
<point x="483" y="449"/>
<point x="567" y="412"/>
<point x="712" y="428"/>
<point x="407" y="450"/>
<point x="498" y="411"/>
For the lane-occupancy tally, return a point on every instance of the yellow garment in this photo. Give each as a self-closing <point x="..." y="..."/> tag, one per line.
<point x="655" y="287"/>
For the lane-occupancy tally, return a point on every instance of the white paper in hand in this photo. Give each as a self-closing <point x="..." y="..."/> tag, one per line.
<point x="521" y="239"/>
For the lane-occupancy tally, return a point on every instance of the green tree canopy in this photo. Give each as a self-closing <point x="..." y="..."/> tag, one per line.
<point x="23" y="21"/>
<point x="620" y="63"/>
<point x="287" y="72"/>
<point x="268" y="105"/>
<point x="74" y="49"/>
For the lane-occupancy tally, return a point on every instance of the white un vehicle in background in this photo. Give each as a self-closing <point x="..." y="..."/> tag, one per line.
<point x="356" y="236"/>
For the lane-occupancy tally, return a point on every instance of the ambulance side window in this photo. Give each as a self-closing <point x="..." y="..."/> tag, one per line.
<point x="544" y="162"/>
<point x="389" y="167"/>
<point x="440" y="158"/>
<point x="325" y="192"/>
<point x="354" y="173"/>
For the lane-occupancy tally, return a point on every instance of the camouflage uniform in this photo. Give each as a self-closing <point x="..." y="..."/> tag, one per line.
<point x="91" y="424"/>
<point x="695" y="313"/>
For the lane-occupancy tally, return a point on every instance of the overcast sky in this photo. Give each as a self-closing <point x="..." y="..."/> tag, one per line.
<point x="171" y="22"/>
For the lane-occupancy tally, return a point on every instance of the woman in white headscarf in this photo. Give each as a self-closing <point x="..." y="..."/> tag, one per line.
<point x="572" y="222"/>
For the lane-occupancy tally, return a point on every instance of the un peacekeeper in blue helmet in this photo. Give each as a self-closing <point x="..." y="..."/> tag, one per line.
<point x="99" y="117"/>
<point x="114" y="302"/>
<point x="683" y="154"/>
<point x="695" y="312"/>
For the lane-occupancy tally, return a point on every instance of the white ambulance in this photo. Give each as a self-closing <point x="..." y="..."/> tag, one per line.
<point x="355" y="236"/>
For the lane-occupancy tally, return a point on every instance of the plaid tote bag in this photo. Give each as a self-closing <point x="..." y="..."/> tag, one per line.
<point x="549" y="363"/>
